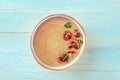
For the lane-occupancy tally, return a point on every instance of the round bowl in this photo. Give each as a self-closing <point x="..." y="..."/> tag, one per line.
<point x="33" y="48"/>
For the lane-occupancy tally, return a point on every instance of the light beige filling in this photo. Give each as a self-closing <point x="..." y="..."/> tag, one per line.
<point x="49" y="42"/>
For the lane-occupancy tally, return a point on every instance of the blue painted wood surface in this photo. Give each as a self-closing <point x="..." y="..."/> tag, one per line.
<point x="100" y="19"/>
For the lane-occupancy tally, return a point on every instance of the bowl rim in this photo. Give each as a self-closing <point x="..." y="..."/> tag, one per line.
<point x="35" y="30"/>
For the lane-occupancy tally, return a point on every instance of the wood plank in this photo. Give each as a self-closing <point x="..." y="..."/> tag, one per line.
<point x="88" y="75"/>
<point x="99" y="55"/>
<point x="40" y="5"/>
<point x="93" y="22"/>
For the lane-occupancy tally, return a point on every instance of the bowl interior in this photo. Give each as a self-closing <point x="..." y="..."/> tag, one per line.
<point x="66" y="65"/>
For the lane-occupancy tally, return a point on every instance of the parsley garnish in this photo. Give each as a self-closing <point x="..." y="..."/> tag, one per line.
<point x="80" y="41"/>
<point x="66" y="56"/>
<point x="68" y="25"/>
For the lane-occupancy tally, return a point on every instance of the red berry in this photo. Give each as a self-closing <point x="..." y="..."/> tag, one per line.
<point x="76" y="33"/>
<point x="76" y="46"/>
<point x="71" y="51"/>
<point x="70" y="46"/>
<point x="67" y="35"/>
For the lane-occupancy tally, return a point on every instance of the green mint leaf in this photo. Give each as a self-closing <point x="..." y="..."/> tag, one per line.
<point x="68" y="25"/>
<point x="80" y="41"/>
<point x="66" y="56"/>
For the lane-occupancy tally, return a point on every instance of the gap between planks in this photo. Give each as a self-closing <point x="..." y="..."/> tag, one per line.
<point x="59" y="10"/>
<point x="15" y="32"/>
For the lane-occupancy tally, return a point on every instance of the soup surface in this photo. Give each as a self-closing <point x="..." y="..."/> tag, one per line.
<point x="57" y="41"/>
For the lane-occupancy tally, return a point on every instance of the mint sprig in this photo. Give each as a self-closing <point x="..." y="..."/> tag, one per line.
<point x="80" y="41"/>
<point x="68" y="25"/>
<point x="66" y="56"/>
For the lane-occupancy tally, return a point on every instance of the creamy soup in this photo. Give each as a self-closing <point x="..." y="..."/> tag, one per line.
<point x="57" y="41"/>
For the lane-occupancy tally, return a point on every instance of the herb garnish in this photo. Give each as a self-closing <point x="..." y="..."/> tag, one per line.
<point x="68" y="25"/>
<point x="66" y="56"/>
<point x="80" y="41"/>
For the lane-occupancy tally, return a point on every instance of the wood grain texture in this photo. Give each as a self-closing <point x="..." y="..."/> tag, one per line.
<point x="100" y="19"/>
<point x="59" y="5"/>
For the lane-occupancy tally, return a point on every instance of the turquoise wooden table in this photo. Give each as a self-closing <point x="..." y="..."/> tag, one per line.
<point x="100" y="19"/>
